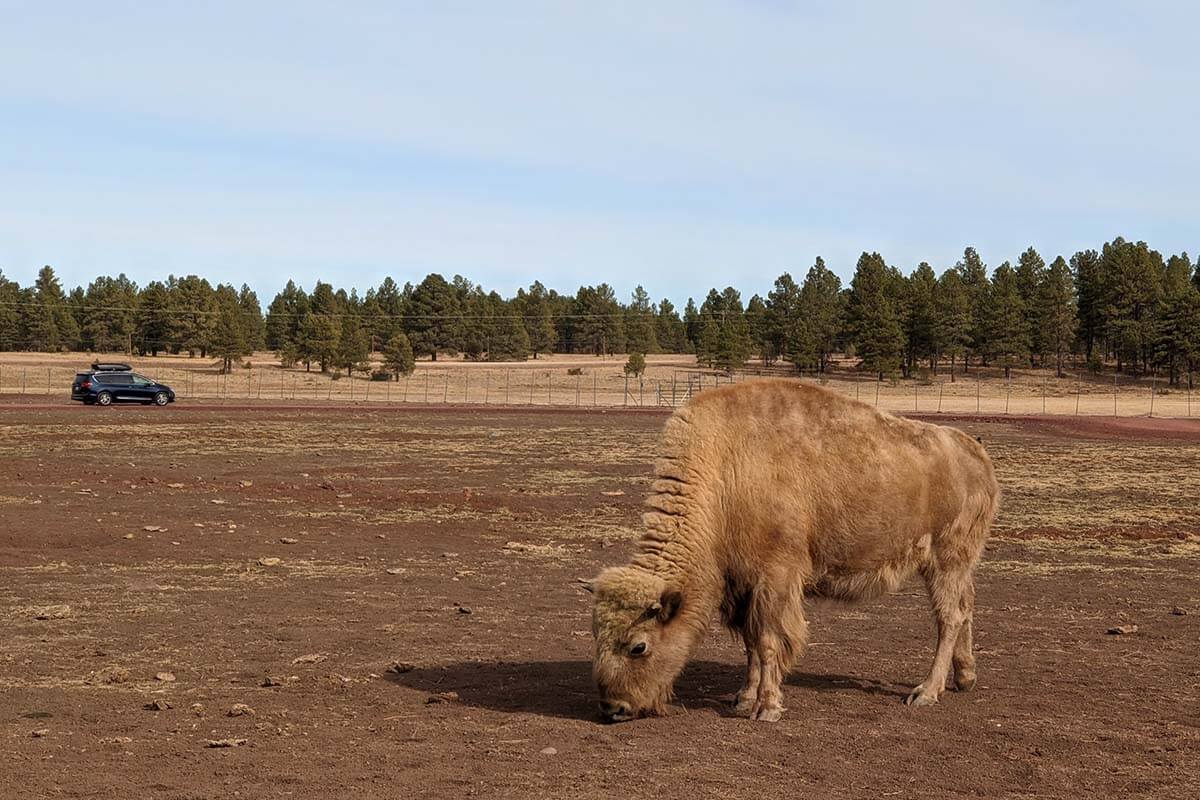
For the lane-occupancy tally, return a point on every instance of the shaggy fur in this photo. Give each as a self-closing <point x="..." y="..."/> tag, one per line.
<point x="773" y="491"/>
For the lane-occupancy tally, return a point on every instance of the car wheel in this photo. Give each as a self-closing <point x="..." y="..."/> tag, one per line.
<point x="104" y="398"/>
<point x="160" y="399"/>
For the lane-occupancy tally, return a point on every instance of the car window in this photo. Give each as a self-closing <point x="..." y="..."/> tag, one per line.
<point x="115" y="380"/>
<point x="139" y="380"/>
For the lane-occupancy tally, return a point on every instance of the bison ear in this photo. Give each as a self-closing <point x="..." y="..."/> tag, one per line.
<point x="668" y="605"/>
<point x="587" y="586"/>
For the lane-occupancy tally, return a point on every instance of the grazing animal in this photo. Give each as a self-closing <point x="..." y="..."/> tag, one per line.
<point x="770" y="492"/>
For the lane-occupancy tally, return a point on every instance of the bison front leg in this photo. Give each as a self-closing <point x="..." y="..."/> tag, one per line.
<point x="776" y="632"/>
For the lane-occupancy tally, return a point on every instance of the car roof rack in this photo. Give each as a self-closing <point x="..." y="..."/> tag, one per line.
<point x="111" y="366"/>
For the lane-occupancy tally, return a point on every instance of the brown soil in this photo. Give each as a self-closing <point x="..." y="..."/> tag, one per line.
<point x="497" y="513"/>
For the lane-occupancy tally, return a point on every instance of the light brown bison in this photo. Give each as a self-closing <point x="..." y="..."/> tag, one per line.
<point x="770" y="492"/>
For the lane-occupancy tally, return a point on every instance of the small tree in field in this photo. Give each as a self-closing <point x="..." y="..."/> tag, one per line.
<point x="636" y="365"/>
<point x="398" y="355"/>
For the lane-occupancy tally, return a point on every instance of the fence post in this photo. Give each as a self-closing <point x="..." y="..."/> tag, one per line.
<point x="1078" y="389"/>
<point x="549" y="386"/>
<point x="367" y="393"/>
<point x="387" y="395"/>
<point x="1114" y="394"/>
<point x="941" y="388"/>
<point x="914" y="395"/>
<point x="877" y="393"/>
<point x="23" y="369"/>
<point x="641" y="388"/>
<point x="1045" y="380"/>
<point x="350" y="380"/>
<point x="407" y="378"/>
<point x="532" y="380"/>
<point x="506" y="375"/>
<point x="47" y="380"/>
<point x="625" y="395"/>
<point x="446" y="387"/>
<point x="576" y="391"/>
<point x="672" y="388"/>
<point x="977" y="382"/>
<point x="1153" y="386"/>
<point x="1008" y="395"/>
<point x="487" y="386"/>
<point x="466" y="386"/>
<point x="594" y="401"/>
<point x="249" y="383"/>
<point x="1189" y="393"/>
<point x="427" y="387"/>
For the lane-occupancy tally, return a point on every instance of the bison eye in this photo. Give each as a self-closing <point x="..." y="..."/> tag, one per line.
<point x="638" y="649"/>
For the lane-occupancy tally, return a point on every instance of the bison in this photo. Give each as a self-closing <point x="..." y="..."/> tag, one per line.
<point x="768" y="493"/>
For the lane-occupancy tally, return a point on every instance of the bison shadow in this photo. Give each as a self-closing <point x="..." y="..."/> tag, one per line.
<point x="565" y="689"/>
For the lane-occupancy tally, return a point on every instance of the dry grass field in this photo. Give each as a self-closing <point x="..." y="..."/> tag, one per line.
<point x="204" y="602"/>
<point x="547" y="381"/>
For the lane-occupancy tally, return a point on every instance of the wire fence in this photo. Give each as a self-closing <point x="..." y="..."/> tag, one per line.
<point x="1080" y="394"/>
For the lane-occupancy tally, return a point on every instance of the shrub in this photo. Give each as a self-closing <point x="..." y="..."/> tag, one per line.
<point x="381" y="375"/>
<point x="575" y="371"/>
<point x="636" y="364"/>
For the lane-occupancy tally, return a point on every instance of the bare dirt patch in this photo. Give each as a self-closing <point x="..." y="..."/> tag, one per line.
<point x="419" y="633"/>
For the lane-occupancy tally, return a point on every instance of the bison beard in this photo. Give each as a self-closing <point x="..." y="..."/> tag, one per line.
<point x="770" y="492"/>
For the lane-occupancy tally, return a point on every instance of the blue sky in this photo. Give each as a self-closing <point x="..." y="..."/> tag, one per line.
<point x="679" y="145"/>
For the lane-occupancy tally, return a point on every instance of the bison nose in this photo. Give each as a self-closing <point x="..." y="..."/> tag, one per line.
<point x="615" y="710"/>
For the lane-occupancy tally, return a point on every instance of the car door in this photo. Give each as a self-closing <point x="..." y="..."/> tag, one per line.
<point x="121" y="386"/>
<point x="142" y="388"/>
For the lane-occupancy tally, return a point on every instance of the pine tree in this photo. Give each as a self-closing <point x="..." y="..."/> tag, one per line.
<point x="871" y="316"/>
<point x="193" y="314"/>
<point x="922" y="317"/>
<point x="600" y="325"/>
<point x="228" y="338"/>
<point x="1178" y="343"/>
<point x="539" y="322"/>
<point x="669" y="330"/>
<point x="282" y="327"/>
<point x="817" y="321"/>
<point x="758" y="322"/>
<point x="1134" y="288"/>
<point x="1057" y="311"/>
<point x="151" y="321"/>
<point x="1007" y="331"/>
<point x="1030" y="273"/>
<point x="952" y="317"/>
<point x="354" y="345"/>
<point x="639" y="324"/>
<point x="253" y="327"/>
<point x="510" y="340"/>
<point x="973" y="275"/>
<point x="398" y="355"/>
<point x="691" y="325"/>
<point x="434" y="319"/>
<point x="733" y="345"/>
<point x="54" y="328"/>
<point x="10" y="318"/>
<point x="1091" y="289"/>
<point x="708" y="344"/>
<point x="783" y="312"/>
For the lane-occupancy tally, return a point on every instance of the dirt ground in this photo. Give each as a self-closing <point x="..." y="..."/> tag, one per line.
<point x="421" y="636"/>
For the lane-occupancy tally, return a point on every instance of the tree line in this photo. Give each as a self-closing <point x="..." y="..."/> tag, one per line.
<point x="1125" y="304"/>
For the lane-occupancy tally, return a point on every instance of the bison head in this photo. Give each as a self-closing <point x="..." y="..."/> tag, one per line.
<point x="641" y="645"/>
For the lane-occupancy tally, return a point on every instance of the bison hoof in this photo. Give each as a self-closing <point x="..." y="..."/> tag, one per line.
<point x="964" y="681"/>
<point x="920" y="696"/>
<point x="767" y="714"/>
<point x="744" y="704"/>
